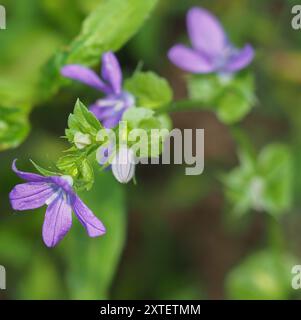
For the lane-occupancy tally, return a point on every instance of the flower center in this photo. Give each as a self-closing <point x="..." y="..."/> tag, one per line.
<point x="53" y="197"/>
<point x="221" y="60"/>
<point x="69" y="179"/>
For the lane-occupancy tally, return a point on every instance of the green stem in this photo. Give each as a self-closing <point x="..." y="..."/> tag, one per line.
<point x="275" y="237"/>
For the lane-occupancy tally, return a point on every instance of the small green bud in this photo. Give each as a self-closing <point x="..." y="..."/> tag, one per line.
<point x="82" y="140"/>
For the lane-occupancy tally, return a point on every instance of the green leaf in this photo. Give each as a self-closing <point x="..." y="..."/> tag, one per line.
<point x="134" y="116"/>
<point x="150" y="90"/>
<point x="276" y="165"/>
<point x="107" y="28"/>
<point x="77" y="165"/>
<point x="145" y="119"/>
<point x="165" y="121"/>
<point x="92" y="262"/>
<point x="263" y="275"/>
<point x="205" y="88"/>
<point x="14" y="126"/>
<point x="86" y="177"/>
<point x="82" y="121"/>
<point x="230" y="97"/>
<point x="232" y="107"/>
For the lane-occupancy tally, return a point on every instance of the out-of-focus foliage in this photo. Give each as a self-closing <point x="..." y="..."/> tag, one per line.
<point x="263" y="275"/>
<point x="263" y="183"/>
<point x="25" y="46"/>
<point x="230" y="97"/>
<point x="150" y="90"/>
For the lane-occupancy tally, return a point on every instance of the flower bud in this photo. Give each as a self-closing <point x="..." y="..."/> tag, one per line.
<point x="82" y="140"/>
<point x="123" y="165"/>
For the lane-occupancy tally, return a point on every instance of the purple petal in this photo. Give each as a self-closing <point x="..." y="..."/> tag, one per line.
<point x="58" y="220"/>
<point x="32" y="177"/>
<point x="189" y="60"/>
<point x="101" y="113"/>
<point x="241" y="59"/>
<point x="205" y="32"/>
<point x="111" y="72"/>
<point x="112" y="122"/>
<point x="84" y="75"/>
<point x="108" y="117"/>
<point x="92" y="224"/>
<point x="30" y="195"/>
<point x="108" y="101"/>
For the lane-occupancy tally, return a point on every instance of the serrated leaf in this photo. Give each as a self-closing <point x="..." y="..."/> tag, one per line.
<point x="150" y="90"/>
<point x="82" y="121"/>
<point x="88" y="117"/>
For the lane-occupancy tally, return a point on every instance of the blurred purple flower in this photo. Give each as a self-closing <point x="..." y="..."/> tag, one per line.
<point x="57" y="193"/>
<point x="110" y="109"/>
<point x="212" y="51"/>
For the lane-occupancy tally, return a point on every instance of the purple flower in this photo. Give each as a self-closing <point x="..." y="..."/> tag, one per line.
<point x="110" y="109"/>
<point x="212" y="51"/>
<point x="57" y="193"/>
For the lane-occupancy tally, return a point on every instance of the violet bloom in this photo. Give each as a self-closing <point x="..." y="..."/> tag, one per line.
<point x="57" y="193"/>
<point x="110" y="109"/>
<point x="212" y="51"/>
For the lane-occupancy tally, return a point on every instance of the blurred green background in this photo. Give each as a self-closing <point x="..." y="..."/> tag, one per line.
<point x="172" y="236"/>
